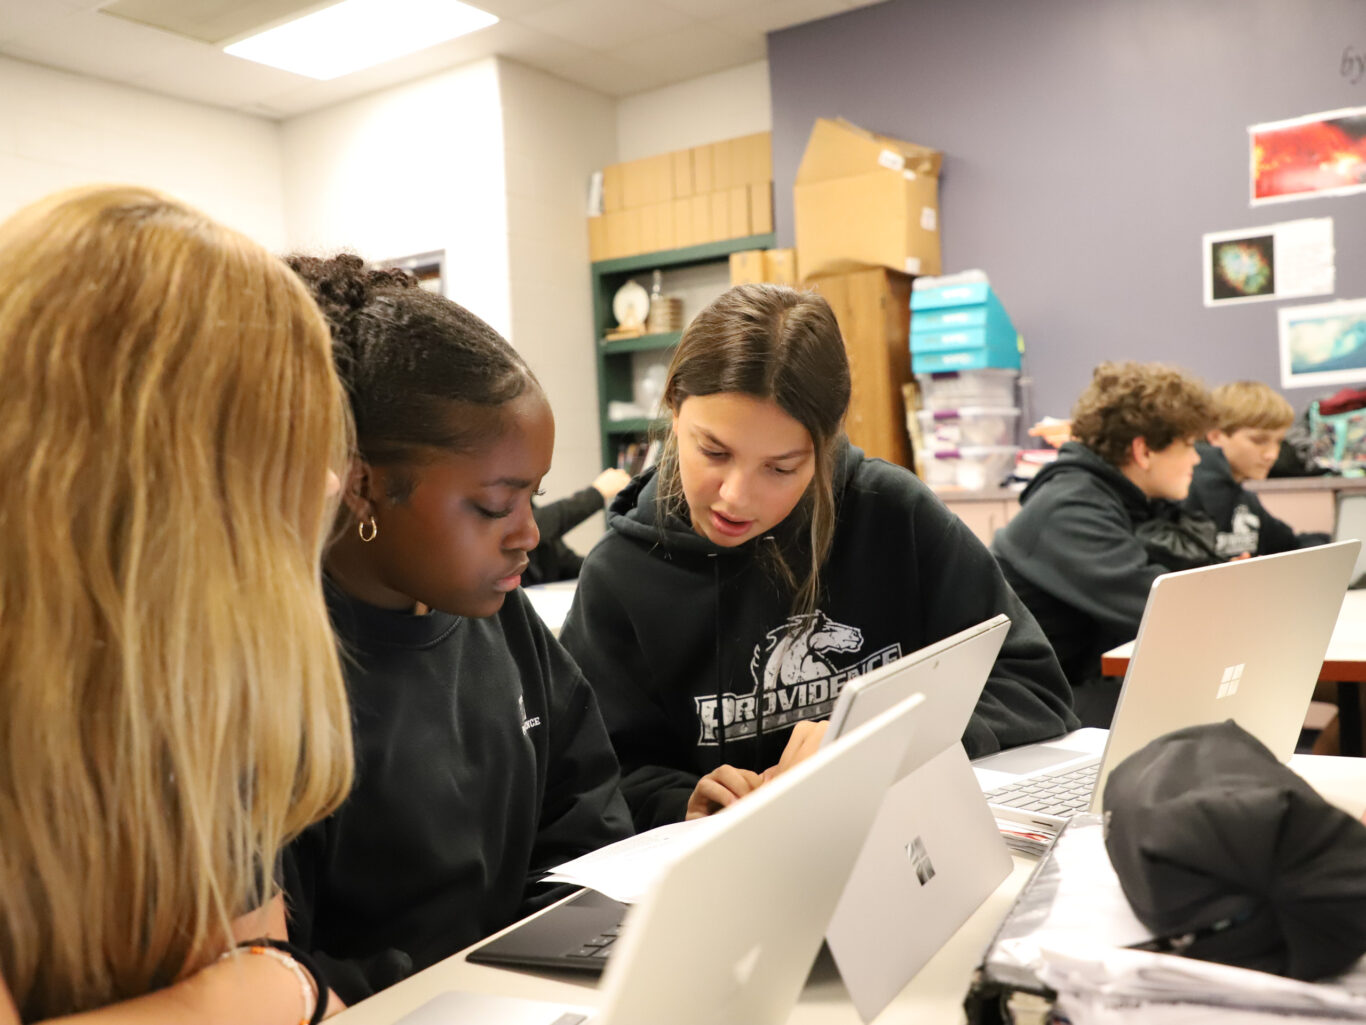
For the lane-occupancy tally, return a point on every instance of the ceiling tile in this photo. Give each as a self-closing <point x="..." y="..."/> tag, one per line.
<point x="699" y="50"/>
<point x="771" y="15"/>
<point x="606" y="24"/>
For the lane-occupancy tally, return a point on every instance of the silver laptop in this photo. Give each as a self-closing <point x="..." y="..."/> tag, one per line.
<point x="728" y="933"/>
<point x="1350" y="525"/>
<point x="934" y="852"/>
<point x="1243" y="640"/>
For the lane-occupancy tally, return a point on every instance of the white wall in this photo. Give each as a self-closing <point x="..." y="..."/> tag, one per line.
<point x="59" y="130"/>
<point x="412" y="169"/>
<point x="700" y="110"/>
<point x="556" y="135"/>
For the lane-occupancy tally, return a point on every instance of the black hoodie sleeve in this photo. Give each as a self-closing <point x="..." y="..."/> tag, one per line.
<point x="1077" y="544"/>
<point x="555" y="519"/>
<point x="600" y="636"/>
<point x="352" y="979"/>
<point x="583" y="806"/>
<point x="1026" y="697"/>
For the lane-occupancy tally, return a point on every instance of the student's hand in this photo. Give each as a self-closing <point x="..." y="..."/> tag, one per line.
<point x="1240" y="558"/>
<point x="805" y="740"/>
<point x="1054" y="432"/>
<point x="610" y="481"/>
<point x="719" y="789"/>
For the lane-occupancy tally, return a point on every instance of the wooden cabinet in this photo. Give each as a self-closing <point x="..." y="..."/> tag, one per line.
<point x="984" y="512"/>
<point x="874" y="314"/>
<point x="614" y="357"/>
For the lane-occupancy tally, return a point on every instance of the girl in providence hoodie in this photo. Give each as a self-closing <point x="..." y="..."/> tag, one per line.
<point x="697" y="654"/>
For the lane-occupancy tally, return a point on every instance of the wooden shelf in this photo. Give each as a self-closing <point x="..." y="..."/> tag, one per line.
<point x="639" y="425"/>
<point x="642" y="343"/>
<point x="614" y="357"/>
<point x="691" y="254"/>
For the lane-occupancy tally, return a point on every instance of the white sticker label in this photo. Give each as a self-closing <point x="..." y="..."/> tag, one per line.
<point x="891" y="160"/>
<point x="929" y="218"/>
<point x="912" y="265"/>
<point x="909" y="175"/>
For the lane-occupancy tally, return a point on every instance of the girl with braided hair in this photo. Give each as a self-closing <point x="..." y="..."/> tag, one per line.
<point x="482" y="759"/>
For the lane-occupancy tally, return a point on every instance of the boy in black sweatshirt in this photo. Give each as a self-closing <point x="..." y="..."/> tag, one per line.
<point x="1073" y="552"/>
<point x="1243" y="445"/>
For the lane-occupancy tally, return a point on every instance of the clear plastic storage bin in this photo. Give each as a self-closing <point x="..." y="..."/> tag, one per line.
<point x="944" y="429"/>
<point x="987" y="388"/>
<point x="970" y="467"/>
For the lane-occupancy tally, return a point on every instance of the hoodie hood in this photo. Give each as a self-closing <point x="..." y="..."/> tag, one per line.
<point x="1074" y="458"/>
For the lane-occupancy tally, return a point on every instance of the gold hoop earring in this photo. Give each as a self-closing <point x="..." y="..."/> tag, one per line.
<point x="374" y="530"/>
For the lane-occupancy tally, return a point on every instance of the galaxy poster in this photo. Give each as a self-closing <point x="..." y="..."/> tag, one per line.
<point x="1280" y="261"/>
<point x="1305" y="157"/>
<point x="1323" y="344"/>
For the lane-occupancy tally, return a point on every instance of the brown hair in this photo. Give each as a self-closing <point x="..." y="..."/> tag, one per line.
<point x="1251" y="404"/>
<point x="777" y="343"/>
<point x="1152" y="401"/>
<point x="171" y="703"/>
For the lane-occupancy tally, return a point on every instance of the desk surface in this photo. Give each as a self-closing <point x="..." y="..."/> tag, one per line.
<point x="1344" y="661"/>
<point x="934" y="995"/>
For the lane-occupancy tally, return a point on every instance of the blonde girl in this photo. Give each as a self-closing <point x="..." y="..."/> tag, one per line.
<point x="171" y="704"/>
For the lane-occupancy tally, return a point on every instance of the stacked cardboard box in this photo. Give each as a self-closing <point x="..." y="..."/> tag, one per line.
<point x="863" y="200"/>
<point x="764" y="266"/>
<point x="709" y="193"/>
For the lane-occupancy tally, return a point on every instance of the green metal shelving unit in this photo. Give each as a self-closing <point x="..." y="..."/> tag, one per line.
<point x="614" y="358"/>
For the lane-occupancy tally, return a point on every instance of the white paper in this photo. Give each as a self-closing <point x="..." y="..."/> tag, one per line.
<point x="626" y="869"/>
<point x="1278" y="261"/>
<point x="552" y="601"/>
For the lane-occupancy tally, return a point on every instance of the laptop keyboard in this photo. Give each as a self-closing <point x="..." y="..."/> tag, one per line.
<point x="599" y="947"/>
<point x="1062" y="793"/>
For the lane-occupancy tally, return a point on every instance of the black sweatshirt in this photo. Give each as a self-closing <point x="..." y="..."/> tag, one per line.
<point x="481" y="762"/>
<point x="666" y="625"/>
<point x="1245" y="527"/>
<point x="552" y="559"/>
<point x="1072" y="555"/>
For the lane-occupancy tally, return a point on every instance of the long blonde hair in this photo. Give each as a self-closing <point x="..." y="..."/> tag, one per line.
<point x="171" y="704"/>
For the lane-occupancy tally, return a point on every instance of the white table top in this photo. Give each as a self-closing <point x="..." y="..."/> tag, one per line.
<point x="935" y="995"/>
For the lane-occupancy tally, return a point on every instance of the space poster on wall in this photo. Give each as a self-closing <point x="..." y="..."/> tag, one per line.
<point x="1306" y="157"/>
<point x="1280" y="261"/>
<point x="1323" y="344"/>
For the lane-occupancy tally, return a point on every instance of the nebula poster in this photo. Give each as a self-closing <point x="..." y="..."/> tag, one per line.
<point x="1323" y="344"/>
<point x="1280" y="261"/>
<point x="1316" y="155"/>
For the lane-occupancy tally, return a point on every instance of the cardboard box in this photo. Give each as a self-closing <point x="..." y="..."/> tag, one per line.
<point x="703" y="169"/>
<point x="761" y="208"/>
<point x="701" y="220"/>
<point x="747" y="267"/>
<point x="684" y="235"/>
<point x="780" y="266"/>
<point x="612" y="199"/>
<point x="719" y="219"/>
<point x="724" y="155"/>
<point x="597" y="238"/>
<point x="738" y="222"/>
<point x="753" y="160"/>
<point x="682" y="173"/>
<point x="623" y="233"/>
<point x="862" y="199"/>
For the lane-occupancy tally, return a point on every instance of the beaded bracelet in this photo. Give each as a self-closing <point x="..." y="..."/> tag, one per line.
<point x="312" y="988"/>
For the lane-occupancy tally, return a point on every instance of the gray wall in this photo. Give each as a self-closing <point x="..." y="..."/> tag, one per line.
<point x="1088" y="144"/>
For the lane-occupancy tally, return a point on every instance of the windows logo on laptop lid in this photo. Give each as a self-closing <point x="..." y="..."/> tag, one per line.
<point x="729" y="931"/>
<point x="1243" y="640"/>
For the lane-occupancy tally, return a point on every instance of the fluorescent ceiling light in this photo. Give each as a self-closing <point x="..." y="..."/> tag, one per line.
<point x="355" y="34"/>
